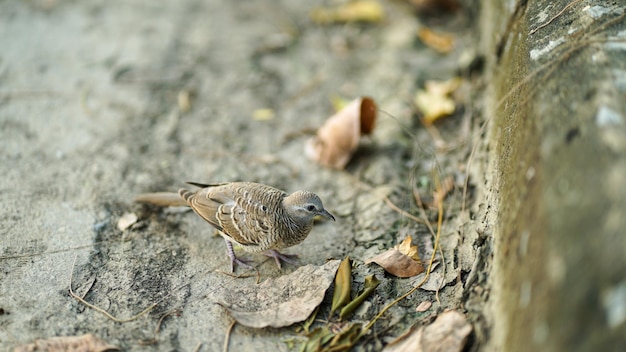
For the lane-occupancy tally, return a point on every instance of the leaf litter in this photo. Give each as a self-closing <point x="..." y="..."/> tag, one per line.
<point x="401" y="260"/>
<point x="280" y="301"/>
<point x="449" y="332"/>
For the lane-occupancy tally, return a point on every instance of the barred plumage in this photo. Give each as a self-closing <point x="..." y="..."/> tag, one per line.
<point x="259" y="218"/>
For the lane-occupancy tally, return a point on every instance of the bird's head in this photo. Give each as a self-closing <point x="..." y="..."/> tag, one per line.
<point x="304" y="206"/>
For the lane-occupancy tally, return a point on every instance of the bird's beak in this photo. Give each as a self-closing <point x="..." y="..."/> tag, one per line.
<point x="326" y="214"/>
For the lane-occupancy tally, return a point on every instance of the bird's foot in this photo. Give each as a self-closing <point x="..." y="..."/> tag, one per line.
<point x="234" y="260"/>
<point x="278" y="256"/>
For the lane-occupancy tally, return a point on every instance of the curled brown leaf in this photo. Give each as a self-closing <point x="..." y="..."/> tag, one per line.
<point x="401" y="260"/>
<point x="338" y="138"/>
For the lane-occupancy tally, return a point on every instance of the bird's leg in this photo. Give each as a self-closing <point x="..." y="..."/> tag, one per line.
<point x="234" y="259"/>
<point x="278" y="256"/>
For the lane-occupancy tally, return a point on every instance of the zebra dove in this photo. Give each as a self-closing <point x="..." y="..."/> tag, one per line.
<point x="257" y="217"/>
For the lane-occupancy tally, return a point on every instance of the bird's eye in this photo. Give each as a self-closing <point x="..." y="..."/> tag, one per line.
<point x="310" y="207"/>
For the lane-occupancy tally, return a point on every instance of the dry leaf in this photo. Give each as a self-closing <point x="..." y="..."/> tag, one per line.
<point x="406" y="248"/>
<point x="345" y="339"/>
<point x="434" y="102"/>
<point x="323" y="339"/>
<point x="338" y="138"/>
<point x="84" y="343"/>
<point x="354" y="11"/>
<point x="371" y="282"/>
<point x="127" y="220"/>
<point x="268" y="303"/>
<point x="448" y="332"/>
<point x="424" y="306"/>
<point x="441" y="42"/>
<point x="184" y="100"/>
<point x="400" y="261"/>
<point x="263" y="114"/>
<point x="343" y="285"/>
<point x="317" y="338"/>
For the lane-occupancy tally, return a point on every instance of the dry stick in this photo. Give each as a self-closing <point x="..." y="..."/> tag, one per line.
<point x="13" y="340"/>
<point x="432" y="258"/>
<point x="98" y="309"/>
<point x="439" y="224"/>
<point x="227" y="337"/>
<point x="555" y="16"/>
<point x="17" y="256"/>
<point x="242" y="276"/>
<point x="158" y="328"/>
<point x="89" y="288"/>
<point x="420" y="204"/>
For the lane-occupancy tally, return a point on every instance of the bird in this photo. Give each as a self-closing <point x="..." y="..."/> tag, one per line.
<point x="257" y="217"/>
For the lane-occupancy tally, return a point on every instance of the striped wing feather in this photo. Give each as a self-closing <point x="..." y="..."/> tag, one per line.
<point x="246" y="212"/>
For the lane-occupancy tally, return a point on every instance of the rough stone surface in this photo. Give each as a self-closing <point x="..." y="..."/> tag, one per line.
<point x="556" y="177"/>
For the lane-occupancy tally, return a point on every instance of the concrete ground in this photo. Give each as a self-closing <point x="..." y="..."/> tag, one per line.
<point x="100" y="102"/>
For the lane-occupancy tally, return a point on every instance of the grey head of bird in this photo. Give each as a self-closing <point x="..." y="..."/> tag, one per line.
<point x="303" y="206"/>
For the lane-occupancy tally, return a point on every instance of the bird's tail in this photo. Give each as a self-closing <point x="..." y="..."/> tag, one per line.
<point x="163" y="199"/>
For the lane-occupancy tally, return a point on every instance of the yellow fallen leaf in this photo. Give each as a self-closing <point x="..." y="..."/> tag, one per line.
<point x="401" y="260"/>
<point x="434" y="102"/>
<point x="407" y="249"/>
<point x="263" y="114"/>
<point x="441" y="42"/>
<point x="184" y="100"/>
<point x="354" y="11"/>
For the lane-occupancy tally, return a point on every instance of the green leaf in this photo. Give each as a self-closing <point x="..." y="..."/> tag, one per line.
<point x="343" y="285"/>
<point x="371" y="282"/>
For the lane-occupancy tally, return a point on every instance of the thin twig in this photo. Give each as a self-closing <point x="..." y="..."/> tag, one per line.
<point x="227" y="337"/>
<point x="89" y="288"/>
<point x="13" y="340"/>
<point x="26" y="255"/>
<point x="241" y="276"/>
<point x="555" y="16"/>
<point x="420" y="207"/>
<point x="158" y="327"/>
<point x="430" y="265"/>
<point x="98" y="309"/>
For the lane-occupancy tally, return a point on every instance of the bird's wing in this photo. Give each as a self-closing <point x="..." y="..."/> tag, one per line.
<point x="205" y="185"/>
<point x="239" y="210"/>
